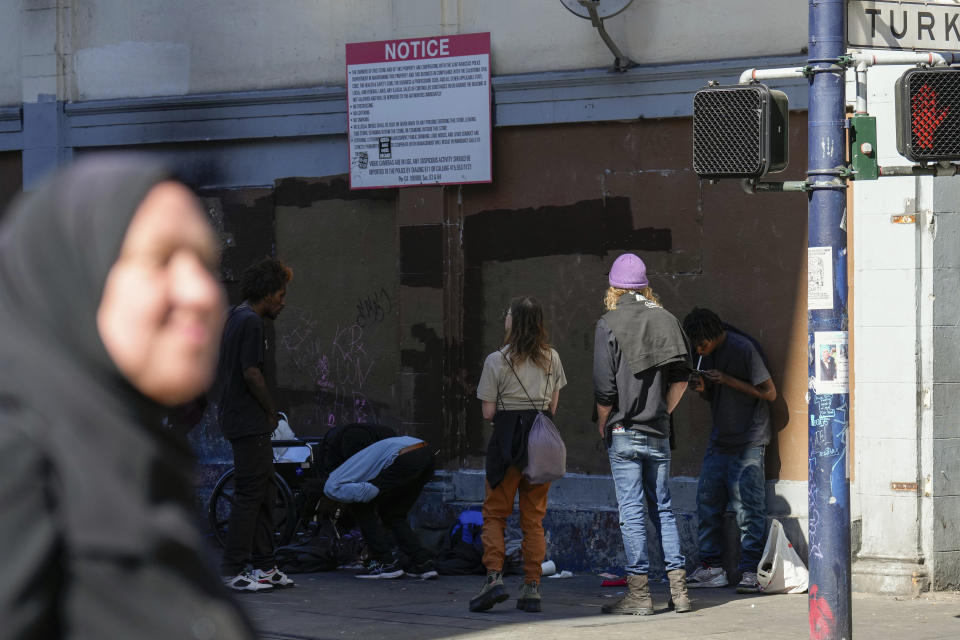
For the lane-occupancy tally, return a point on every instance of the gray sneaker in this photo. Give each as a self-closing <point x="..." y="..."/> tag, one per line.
<point x="748" y="583"/>
<point x="706" y="576"/>
<point x="376" y="570"/>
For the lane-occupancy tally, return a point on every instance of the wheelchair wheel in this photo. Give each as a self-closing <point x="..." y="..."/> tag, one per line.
<point x="221" y="503"/>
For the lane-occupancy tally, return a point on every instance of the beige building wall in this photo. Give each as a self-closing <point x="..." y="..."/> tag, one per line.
<point x="10" y="52"/>
<point x="135" y="48"/>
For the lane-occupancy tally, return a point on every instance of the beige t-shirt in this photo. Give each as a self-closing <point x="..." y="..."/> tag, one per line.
<point x="498" y="376"/>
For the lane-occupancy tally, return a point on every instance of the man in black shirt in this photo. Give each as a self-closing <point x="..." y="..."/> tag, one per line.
<point x="248" y="416"/>
<point x="735" y="380"/>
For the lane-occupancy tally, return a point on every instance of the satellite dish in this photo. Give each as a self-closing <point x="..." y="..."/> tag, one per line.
<point x="605" y="8"/>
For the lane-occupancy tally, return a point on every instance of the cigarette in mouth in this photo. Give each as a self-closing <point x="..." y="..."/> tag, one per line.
<point x="699" y="360"/>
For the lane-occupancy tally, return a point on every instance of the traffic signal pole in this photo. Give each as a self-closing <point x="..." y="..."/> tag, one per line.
<point x="827" y="328"/>
<point x="737" y="135"/>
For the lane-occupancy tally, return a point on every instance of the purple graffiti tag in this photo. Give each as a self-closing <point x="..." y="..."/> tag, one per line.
<point x="323" y="366"/>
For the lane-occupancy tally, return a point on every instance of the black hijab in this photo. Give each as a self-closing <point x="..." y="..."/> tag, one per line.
<point x="57" y="245"/>
<point x="121" y="484"/>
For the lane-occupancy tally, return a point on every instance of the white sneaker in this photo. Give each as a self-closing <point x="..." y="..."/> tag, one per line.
<point x="245" y="582"/>
<point x="706" y="576"/>
<point x="274" y="578"/>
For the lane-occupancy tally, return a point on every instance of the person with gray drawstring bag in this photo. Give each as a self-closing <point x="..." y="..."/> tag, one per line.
<point x="520" y="381"/>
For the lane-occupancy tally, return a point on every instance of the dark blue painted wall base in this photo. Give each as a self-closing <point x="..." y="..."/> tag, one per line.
<point x="582" y="539"/>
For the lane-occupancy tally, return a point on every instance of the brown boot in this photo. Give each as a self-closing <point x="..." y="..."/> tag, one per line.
<point x="678" y="591"/>
<point x="637" y="602"/>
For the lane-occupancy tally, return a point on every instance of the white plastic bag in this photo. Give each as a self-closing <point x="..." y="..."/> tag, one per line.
<point x="288" y="454"/>
<point x="781" y="570"/>
<point x="283" y="430"/>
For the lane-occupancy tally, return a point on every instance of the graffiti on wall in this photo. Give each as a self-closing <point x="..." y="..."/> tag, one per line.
<point x="374" y="308"/>
<point x="338" y="366"/>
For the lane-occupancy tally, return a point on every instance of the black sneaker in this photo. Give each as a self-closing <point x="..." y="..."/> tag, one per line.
<point x="376" y="570"/>
<point x="426" y="570"/>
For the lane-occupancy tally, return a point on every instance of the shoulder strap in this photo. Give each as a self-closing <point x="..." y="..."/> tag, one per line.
<point x="499" y="396"/>
<point x="546" y="385"/>
<point x="507" y="360"/>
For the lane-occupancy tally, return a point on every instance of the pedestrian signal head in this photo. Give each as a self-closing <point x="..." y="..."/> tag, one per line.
<point x="739" y="131"/>
<point x="928" y="114"/>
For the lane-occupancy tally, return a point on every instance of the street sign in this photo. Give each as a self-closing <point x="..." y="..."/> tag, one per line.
<point x="892" y="24"/>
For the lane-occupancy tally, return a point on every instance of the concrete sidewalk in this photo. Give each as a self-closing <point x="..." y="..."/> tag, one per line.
<point x="327" y="606"/>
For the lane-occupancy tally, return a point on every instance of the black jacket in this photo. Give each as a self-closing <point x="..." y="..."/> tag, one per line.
<point x="97" y="536"/>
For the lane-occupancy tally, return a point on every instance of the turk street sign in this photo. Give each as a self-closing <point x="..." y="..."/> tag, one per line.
<point x="928" y="26"/>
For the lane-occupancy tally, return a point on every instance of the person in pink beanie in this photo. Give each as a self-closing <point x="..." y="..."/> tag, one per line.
<point x="641" y="365"/>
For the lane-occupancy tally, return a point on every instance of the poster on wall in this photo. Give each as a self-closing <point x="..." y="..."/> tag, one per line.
<point x="419" y="111"/>
<point x="820" y="278"/>
<point x="833" y="363"/>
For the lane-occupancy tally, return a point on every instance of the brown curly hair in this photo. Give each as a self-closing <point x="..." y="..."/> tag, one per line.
<point x="526" y="338"/>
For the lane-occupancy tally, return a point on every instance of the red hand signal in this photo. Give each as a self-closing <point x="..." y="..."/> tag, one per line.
<point x="926" y="118"/>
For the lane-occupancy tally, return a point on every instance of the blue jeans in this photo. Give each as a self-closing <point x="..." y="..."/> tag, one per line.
<point x="737" y="478"/>
<point x="640" y="465"/>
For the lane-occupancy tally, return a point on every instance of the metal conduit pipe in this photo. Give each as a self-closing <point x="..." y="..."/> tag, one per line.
<point x="933" y="58"/>
<point x="751" y="186"/>
<point x="861" y="88"/>
<point x="939" y="170"/>
<point x="755" y="75"/>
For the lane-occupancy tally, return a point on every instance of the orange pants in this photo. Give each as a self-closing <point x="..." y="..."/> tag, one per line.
<point x="498" y="505"/>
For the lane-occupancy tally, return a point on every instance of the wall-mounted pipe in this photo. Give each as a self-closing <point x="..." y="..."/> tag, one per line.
<point x="938" y="170"/>
<point x="751" y="186"/>
<point x="861" y="88"/>
<point x="932" y="58"/>
<point x="756" y="75"/>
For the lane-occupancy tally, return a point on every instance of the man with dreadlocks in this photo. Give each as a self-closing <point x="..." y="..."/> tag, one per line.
<point x="733" y="377"/>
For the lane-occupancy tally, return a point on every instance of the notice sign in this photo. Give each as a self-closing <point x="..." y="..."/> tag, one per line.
<point x="419" y="111"/>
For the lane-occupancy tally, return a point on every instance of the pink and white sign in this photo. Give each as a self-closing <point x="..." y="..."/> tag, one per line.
<point x="419" y="111"/>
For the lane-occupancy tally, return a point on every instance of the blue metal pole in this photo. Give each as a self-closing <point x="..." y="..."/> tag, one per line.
<point x="827" y="327"/>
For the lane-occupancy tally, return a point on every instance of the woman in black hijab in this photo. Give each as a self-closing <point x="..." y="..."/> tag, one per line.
<point x="109" y="315"/>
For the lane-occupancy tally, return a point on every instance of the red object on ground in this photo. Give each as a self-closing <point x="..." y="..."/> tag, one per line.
<point x="619" y="582"/>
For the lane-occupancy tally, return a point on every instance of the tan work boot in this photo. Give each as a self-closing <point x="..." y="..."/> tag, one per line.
<point x="678" y="591"/>
<point x="529" y="599"/>
<point x="492" y="592"/>
<point x="637" y="602"/>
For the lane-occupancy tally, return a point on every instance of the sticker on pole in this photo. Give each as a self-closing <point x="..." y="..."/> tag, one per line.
<point x="820" y="278"/>
<point x="833" y="362"/>
<point x="419" y="111"/>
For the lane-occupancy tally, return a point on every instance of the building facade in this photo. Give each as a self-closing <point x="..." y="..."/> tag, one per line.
<point x="398" y="292"/>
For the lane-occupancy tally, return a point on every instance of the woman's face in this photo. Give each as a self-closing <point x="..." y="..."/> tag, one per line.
<point x="162" y="309"/>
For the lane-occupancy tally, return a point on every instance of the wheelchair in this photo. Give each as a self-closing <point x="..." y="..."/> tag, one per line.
<point x="295" y="507"/>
